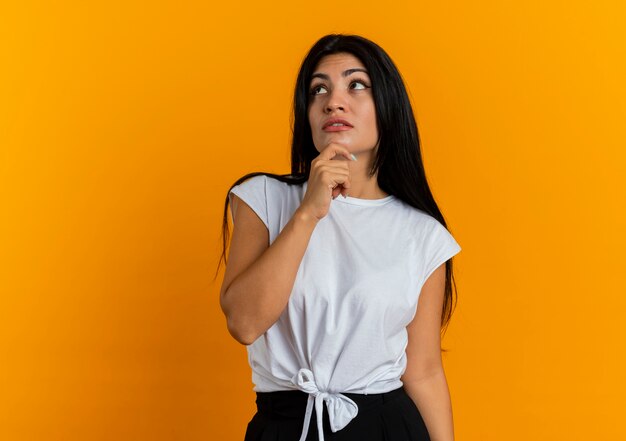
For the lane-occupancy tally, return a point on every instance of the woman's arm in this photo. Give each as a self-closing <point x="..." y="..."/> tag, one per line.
<point x="424" y="378"/>
<point x="259" y="277"/>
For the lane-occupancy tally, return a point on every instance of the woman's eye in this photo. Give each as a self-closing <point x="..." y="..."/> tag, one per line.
<point x="320" y="86"/>
<point x="315" y="88"/>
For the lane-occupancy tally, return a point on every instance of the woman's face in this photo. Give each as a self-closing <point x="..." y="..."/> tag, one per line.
<point x="340" y="88"/>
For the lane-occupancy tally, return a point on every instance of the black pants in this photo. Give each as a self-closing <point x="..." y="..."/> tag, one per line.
<point x="390" y="416"/>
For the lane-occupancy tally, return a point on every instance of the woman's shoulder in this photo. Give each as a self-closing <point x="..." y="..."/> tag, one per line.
<point x="286" y="186"/>
<point x="419" y="222"/>
<point x="412" y="213"/>
<point x="250" y="182"/>
<point x="271" y="187"/>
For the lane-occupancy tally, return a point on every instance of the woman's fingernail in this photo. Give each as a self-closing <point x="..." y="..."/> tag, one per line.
<point x="353" y="157"/>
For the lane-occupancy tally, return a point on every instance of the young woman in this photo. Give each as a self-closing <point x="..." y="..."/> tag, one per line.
<point x="339" y="275"/>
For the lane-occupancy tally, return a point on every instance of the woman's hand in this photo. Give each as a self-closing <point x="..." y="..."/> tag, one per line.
<point x="328" y="178"/>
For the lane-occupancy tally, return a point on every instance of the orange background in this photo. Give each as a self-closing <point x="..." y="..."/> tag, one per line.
<point x="122" y="126"/>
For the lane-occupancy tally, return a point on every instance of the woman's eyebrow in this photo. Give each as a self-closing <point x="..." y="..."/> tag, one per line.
<point x="345" y="73"/>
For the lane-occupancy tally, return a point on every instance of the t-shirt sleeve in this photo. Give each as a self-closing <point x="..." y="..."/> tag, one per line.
<point x="439" y="246"/>
<point x="253" y="192"/>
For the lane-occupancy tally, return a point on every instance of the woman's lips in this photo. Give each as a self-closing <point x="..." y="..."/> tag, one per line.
<point x="336" y="128"/>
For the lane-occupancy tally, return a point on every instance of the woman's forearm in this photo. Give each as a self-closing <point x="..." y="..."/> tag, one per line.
<point x="432" y="398"/>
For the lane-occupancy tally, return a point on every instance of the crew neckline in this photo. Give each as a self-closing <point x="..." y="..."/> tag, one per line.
<point x="358" y="201"/>
<point x="364" y="202"/>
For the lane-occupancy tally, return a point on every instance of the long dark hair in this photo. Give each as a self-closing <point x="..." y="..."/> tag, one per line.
<point x="398" y="160"/>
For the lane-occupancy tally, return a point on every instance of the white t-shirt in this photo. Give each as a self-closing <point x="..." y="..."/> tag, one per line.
<point x="356" y="290"/>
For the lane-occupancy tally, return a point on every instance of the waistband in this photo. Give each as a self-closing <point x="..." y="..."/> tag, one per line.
<point x="342" y="407"/>
<point x="292" y="403"/>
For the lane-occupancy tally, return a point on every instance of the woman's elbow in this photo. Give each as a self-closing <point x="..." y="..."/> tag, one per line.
<point x="240" y="333"/>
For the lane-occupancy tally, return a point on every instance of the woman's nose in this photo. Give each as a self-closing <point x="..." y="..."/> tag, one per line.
<point x="335" y="101"/>
<point x="332" y="107"/>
